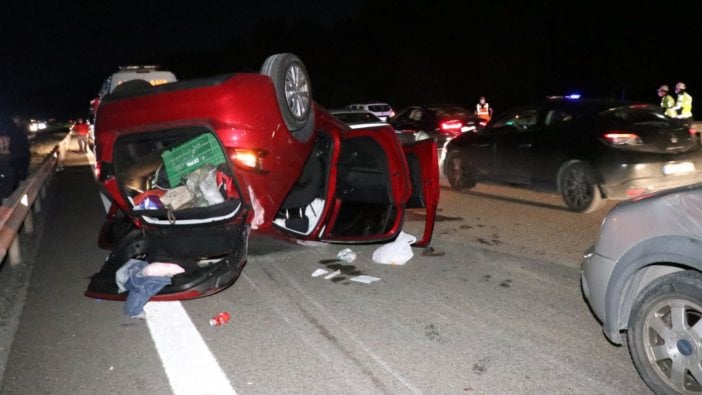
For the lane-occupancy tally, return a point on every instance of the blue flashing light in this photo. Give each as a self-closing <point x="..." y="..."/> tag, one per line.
<point x="573" y="96"/>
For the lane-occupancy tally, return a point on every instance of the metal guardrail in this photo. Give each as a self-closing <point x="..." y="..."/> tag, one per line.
<point x="15" y="211"/>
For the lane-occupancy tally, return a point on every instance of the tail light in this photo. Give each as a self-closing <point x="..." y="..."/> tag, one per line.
<point x="451" y="126"/>
<point x="247" y="158"/>
<point x="618" y="138"/>
<point x="693" y="132"/>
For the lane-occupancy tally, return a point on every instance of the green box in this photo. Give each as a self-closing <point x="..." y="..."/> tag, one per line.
<point x="190" y="156"/>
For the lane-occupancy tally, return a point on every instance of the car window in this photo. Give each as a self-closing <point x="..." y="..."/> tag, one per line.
<point x="639" y="115"/>
<point x="416" y="115"/>
<point x="522" y="119"/>
<point x="379" y="108"/>
<point x="554" y="117"/>
<point x="105" y="88"/>
<point x="450" y="111"/>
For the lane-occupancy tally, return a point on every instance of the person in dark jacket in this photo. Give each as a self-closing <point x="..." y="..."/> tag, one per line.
<point x="14" y="155"/>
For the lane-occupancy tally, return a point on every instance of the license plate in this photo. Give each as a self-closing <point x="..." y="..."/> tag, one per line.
<point x="678" y="168"/>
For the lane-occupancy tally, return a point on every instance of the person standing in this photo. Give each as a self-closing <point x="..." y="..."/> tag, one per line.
<point x="483" y="109"/>
<point x="81" y="130"/>
<point x="667" y="102"/>
<point x="683" y="104"/>
<point x="14" y="155"/>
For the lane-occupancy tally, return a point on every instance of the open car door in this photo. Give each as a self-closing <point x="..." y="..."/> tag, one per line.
<point x="370" y="180"/>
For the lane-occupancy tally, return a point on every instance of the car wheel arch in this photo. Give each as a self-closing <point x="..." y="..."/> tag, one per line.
<point x="637" y="268"/>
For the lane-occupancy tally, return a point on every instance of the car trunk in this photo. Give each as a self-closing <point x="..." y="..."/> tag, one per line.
<point x="195" y="221"/>
<point x="658" y="134"/>
<point x="175" y="177"/>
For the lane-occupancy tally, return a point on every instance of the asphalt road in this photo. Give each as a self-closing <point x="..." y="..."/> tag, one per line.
<point x="500" y="312"/>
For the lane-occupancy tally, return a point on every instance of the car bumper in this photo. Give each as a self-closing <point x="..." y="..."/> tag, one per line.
<point x="594" y="278"/>
<point x="629" y="180"/>
<point x="212" y="257"/>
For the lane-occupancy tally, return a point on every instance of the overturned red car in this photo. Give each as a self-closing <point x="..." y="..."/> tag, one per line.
<point x="192" y="167"/>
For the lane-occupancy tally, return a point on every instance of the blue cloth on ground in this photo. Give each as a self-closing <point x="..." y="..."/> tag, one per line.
<point x="130" y="277"/>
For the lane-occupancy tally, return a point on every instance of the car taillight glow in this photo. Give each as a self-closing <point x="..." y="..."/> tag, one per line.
<point x="451" y="125"/>
<point x="692" y="131"/>
<point x="247" y="158"/>
<point x="622" y="138"/>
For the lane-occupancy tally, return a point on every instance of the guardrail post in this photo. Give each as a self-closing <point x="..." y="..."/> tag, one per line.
<point x="28" y="224"/>
<point x="14" y="255"/>
<point x="37" y="206"/>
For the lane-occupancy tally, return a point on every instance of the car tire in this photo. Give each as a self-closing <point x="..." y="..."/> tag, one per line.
<point x="579" y="188"/>
<point x="460" y="172"/>
<point x="664" y="346"/>
<point x="293" y="92"/>
<point x="131" y="86"/>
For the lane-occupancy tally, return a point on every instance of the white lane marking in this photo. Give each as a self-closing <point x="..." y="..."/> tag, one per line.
<point x="190" y="366"/>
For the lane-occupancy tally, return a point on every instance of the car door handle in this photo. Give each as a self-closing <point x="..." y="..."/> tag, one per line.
<point x="525" y="145"/>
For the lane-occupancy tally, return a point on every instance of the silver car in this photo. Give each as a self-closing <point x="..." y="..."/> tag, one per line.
<point x="643" y="275"/>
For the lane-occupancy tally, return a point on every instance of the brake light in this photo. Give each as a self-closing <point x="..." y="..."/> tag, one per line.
<point x="693" y="132"/>
<point x="622" y="138"/>
<point x="451" y="125"/>
<point x="247" y="158"/>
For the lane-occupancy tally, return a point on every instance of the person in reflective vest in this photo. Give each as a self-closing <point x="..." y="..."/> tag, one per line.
<point x="667" y="102"/>
<point x="483" y="109"/>
<point x="683" y="104"/>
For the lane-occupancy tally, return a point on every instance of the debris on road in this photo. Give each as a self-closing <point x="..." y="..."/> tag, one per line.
<point x="346" y="255"/>
<point x="220" y="319"/>
<point x="143" y="280"/>
<point x="430" y="251"/>
<point x="319" y="272"/>
<point x="364" y="279"/>
<point x="397" y="252"/>
<point x="332" y="274"/>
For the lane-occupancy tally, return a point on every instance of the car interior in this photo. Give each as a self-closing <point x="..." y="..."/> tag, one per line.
<point x="363" y="200"/>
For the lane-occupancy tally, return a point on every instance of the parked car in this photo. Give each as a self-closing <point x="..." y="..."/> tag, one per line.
<point x="586" y="150"/>
<point x="356" y="119"/>
<point x="381" y="110"/>
<point x="643" y="275"/>
<point x="442" y="122"/>
<point x="194" y="166"/>
<point x="141" y="74"/>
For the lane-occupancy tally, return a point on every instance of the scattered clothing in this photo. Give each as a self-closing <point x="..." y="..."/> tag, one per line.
<point x="143" y="280"/>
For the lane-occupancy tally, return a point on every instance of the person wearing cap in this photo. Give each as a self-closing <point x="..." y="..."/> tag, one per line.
<point x="683" y="104"/>
<point x="667" y="102"/>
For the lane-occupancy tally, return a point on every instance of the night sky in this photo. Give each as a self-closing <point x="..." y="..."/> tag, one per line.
<point x="55" y="55"/>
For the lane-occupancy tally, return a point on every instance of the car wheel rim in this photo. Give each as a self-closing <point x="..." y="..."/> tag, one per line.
<point x="578" y="188"/>
<point x="672" y="339"/>
<point x="297" y="91"/>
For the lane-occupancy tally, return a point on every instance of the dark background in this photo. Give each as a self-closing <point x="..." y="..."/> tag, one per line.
<point x="56" y="55"/>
